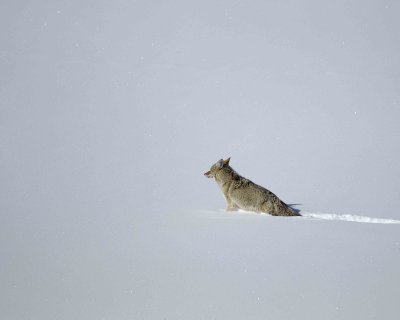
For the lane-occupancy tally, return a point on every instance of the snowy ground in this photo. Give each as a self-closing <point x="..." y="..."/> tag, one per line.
<point x="200" y="265"/>
<point x="110" y="113"/>
<point x="213" y="265"/>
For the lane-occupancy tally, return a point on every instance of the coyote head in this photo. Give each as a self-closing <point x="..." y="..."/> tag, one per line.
<point x="216" y="167"/>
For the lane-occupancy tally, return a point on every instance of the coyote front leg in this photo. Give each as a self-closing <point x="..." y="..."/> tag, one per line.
<point x="230" y="205"/>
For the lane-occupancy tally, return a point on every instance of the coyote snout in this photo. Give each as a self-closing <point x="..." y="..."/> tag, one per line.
<point x="208" y="174"/>
<point x="241" y="193"/>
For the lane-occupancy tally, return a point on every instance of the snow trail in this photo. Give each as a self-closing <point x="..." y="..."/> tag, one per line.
<point x="346" y="217"/>
<point x="223" y="214"/>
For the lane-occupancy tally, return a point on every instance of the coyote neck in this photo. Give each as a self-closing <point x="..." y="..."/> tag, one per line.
<point x="226" y="176"/>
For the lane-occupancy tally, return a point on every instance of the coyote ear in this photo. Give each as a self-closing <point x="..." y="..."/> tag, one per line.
<point x="226" y="162"/>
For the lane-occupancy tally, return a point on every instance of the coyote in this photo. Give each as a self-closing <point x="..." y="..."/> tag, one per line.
<point x="241" y="193"/>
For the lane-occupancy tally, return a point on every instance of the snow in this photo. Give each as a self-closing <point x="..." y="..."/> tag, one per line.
<point x="105" y="212"/>
<point x="347" y="217"/>
<point x="223" y="214"/>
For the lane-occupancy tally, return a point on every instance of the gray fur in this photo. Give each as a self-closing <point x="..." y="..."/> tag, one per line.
<point x="241" y="193"/>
